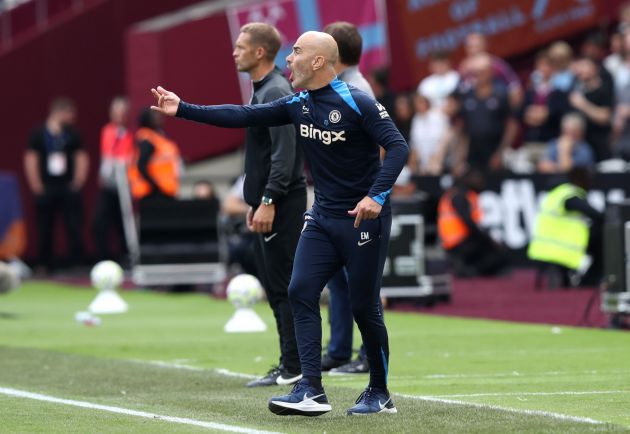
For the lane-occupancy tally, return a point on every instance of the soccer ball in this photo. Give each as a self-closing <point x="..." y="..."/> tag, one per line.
<point x="106" y="275"/>
<point x="9" y="280"/>
<point x="244" y="291"/>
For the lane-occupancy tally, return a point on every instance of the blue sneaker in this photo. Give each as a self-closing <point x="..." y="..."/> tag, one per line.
<point x="304" y="400"/>
<point x="371" y="401"/>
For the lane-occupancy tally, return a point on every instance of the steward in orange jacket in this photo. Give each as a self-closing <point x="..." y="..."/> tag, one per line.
<point x="155" y="167"/>
<point x="453" y="228"/>
<point x="459" y="216"/>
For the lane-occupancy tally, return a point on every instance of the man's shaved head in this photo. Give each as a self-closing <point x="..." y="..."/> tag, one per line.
<point x="313" y="59"/>
<point x="320" y="44"/>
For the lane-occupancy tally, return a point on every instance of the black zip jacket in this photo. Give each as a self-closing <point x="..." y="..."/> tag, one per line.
<point x="274" y="165"/>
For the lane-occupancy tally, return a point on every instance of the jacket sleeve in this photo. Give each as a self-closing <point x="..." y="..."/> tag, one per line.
<point x="146" y="151"/>
<point x="462" y="208"/>
<point x="380" y="127"/>
<point x="238" y="116"/>
<point x="581" y="205"/>
<point x="283" y="153"/>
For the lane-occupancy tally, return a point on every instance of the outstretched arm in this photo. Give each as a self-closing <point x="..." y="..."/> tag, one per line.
<point x="227" y="116"/>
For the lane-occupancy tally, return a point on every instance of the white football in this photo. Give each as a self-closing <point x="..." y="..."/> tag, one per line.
<point x="244" y="290"/>
<point x="9" y="280"/>
<point x="106" y="275"/>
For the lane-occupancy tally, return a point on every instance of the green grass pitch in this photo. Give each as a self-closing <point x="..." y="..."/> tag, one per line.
<point x="165" y="357"/>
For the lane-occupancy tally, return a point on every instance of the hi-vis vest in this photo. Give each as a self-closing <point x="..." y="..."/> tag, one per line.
<point x="451" y="228"/>
<point x="560" y="236"/>
<point x="163" y="166"/>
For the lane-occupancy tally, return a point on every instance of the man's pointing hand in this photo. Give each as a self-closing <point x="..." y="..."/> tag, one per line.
<point x="167" y="102"/>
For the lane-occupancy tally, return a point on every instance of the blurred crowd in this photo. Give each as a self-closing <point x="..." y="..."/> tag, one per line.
<point x="571" y="110"/>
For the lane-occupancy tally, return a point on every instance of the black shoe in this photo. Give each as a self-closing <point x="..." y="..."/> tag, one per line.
<point x="329" y="363"/>
<point x="277" y="375"/>
<point x="358" y="366"/>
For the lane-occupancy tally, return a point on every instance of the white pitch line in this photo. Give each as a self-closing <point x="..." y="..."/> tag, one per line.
<point x="574" y="393"/>
<point x="228" y="373"/>
<point x="128" y="412"/>
<point x="164" y="364"/>
<point x="219" y="371"/>
<point x="523" y="374"/>
<point x="513" y="374"/>
<point x="557" y="416"/>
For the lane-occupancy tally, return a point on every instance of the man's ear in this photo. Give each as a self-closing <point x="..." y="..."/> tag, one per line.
<point x="318" y="62"/>
<point x="260" y="53"/>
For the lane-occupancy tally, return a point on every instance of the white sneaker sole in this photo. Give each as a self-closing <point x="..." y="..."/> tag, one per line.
<point x="286" y="381"/>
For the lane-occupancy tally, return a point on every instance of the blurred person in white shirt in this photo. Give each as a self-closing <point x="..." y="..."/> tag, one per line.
<point x="615" y="59"/>
<point x="621" y="70"/>
<point x="429" y="127"/>
<point x="442" y="82"/>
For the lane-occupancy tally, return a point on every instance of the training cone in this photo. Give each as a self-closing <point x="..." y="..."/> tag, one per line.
<point x="245" y="320"/>
<point x="108" y="301"/>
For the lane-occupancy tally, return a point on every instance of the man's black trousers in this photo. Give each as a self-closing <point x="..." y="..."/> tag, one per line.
<point x="274" y="259"/>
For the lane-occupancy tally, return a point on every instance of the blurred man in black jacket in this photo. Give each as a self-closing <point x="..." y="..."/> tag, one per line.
<point x="56" y="167"/>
